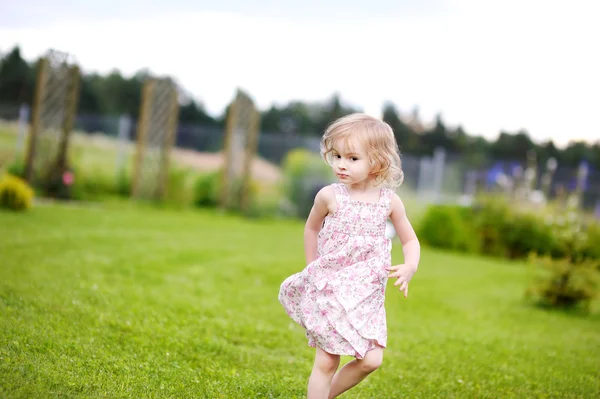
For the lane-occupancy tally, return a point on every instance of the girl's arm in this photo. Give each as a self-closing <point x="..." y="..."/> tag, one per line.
<point x="320" y="209"/>
<point x="410" y="245"/>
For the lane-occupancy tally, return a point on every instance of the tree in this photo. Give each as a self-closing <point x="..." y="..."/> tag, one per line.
<point x="595" y="155"/>
<point x="460" y="140"/>
<point x="270" y="119"/>
<point x="114" y="94"/>
<point x="192" y="112"/>
<point x="332" y="110"/>
<point x="294" y="118"/>
<point x="575" y="152"/>
<point x="478" y="151"/>
<point x="407" y="139"/>
<point x="436" y="137"/>
<point x="523" y="144"/>
<point x="17" y="79"/>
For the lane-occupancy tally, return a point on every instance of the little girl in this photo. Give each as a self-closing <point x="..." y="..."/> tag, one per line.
<point x="339" y="297"/>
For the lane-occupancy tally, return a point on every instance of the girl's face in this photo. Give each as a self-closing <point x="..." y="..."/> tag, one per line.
<point x="350" y="162"/>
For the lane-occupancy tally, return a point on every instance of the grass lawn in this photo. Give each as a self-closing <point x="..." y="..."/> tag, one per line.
<point x="133" y="302"/>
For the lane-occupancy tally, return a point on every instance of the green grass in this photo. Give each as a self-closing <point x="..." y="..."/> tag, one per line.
<point x="94" y="158"/>
<point x="117" y="301"/>
<point x="89" y="152"/>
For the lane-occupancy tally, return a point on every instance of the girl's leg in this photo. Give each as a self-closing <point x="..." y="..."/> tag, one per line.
<point x="323" y="370"/>
<point x="355" y="371"/>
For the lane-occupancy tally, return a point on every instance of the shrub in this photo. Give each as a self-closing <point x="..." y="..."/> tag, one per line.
<point x="60" y="185"/>
<point x="178" y="192"/>
<point x="17" y="168"/>
<point x="527" y="233"/>
<point x="267" y="202"/>
<point x="207" y="191"/>
<point x="15" y="193"/>
<point x="304" y="174"/>
<point x="489" y="220"/>
<point x="491" y="227"/>
<point x="573" y="239"/>
<point x="590" y="248"/>
<point x="449" y="227"/>
<point x="570" y="272"/>
<point x="504" y="231"/>
<point x="123" y="183"/>
<point x="91" y="184"/>
<point x="564" y="284"/>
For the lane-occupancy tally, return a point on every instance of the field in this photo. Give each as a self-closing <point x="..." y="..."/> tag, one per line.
<point x="117" y="300"/>
<point x="93" y="152"/>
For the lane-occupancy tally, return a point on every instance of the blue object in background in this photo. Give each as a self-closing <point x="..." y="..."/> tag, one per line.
<point x="493" y="173"/>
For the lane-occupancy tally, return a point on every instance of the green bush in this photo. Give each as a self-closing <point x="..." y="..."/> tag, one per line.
<point x="527" y="233"/>
<point x="15" y="193"/>
<point x="570" y="272"/>
<point x="590" y="248"/>
<point x="123" y="188"/>
<point x="449" y="227"/>
<point x="304" y="174"/>
<point x="504" y="231"/>
<point x="267" y="203"/>
<point x="489" y="219"/>
<point x="178" y="191"/>
<point x="96" y="184"/>
<point x="562" y="283"/>
<point x="559" y="245"/>
<point x="491" y="227"/>
<point x="207" y="191"/>
<point x="17" y="168"/>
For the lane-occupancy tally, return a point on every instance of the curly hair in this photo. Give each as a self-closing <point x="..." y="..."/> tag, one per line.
<point x="379" y="141"/>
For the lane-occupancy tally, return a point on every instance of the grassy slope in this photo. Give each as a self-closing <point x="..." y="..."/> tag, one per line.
<point x="136" y="302"/>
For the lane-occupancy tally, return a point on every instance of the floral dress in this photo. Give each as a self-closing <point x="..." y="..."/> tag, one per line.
<point x="339" y="298"/>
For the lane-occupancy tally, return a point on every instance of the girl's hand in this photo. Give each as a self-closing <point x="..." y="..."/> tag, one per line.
<point x="404" y="273"/>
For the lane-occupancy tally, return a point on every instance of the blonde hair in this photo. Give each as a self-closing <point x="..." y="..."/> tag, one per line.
<point x="378" y="139"/>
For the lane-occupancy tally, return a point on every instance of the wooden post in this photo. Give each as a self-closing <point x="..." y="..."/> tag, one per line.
<point x="35" y="127"/>
<point x="241" y="140"/>
<point x="142" y="128"/>
<point x="168" y="142"/>
<point x="230" y="126"/>
<point x="251" y="146"/>
<point x="69" y="120"/>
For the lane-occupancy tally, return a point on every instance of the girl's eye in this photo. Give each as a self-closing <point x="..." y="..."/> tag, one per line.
<point x="354" y="159"/>
<point x="337" y="156"/>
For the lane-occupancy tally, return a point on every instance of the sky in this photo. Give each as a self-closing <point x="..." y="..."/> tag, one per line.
<point x="487" y="65"/>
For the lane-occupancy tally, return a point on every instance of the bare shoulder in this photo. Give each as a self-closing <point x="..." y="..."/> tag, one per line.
<point x="396" y="206"/>
<point x="326" y="198"/>
<point x="326" y="193"/>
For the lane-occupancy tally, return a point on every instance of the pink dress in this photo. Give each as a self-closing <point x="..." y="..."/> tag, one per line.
<point x="339" y="298"/>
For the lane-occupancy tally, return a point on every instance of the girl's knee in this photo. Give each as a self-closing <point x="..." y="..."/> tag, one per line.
<point x="326" y="362"/>
<point x="372" y="360"/>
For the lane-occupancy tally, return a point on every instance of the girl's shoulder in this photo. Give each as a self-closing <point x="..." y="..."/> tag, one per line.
<point x="326" y="194"/>
<point x="332" y="191"/>
<point x="396" y="204"/>
<point x="388" y="194"/>
<point x="391" y="199"/>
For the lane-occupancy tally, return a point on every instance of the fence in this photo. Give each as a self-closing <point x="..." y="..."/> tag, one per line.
<point x="272" y="146"/>
<point x="440" y="178"/>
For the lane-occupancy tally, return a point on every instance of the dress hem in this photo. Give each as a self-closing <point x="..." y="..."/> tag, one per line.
<point x="355" y="354"/>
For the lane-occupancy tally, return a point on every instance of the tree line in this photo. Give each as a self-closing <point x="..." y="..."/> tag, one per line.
<point x="115" y="94"/>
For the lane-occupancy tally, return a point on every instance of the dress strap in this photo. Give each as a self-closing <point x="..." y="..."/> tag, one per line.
<point x="386" y="196"/>
<point x="341" y="194"/>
